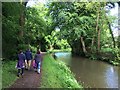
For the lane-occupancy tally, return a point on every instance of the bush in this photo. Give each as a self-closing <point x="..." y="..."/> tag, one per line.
<point x="106" y="49"/>
<point x="113" y="56"/>
<point x="116" y="52"/>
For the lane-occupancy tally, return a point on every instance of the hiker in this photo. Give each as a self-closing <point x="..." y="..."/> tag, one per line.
<point x="29" y="57"/>
<point x="20" y="63"/>
<point x="38" y="58"/>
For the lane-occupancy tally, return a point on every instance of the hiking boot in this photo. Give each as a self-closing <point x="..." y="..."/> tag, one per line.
<point x="26" y="68"/>
<point x="38" y="71"/>
<point x="22" y="75"/>
<point x="18" y="75"/>
<point x="35" y="70"/>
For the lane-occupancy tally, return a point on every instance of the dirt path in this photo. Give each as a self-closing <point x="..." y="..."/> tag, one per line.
<point x="30" y="80"/>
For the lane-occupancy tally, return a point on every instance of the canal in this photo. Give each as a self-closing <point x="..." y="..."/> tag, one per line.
<point x="91" y="73"/>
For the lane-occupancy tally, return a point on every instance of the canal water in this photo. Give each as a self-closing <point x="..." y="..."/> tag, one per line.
<point x="91" y="73"/>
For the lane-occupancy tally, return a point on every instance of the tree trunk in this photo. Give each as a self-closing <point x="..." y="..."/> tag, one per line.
<point x="93" y="40"/>
<point x="114" y="44"/>
<point x="111" y="34"/>
<point x="119" y="41"/>
<point x="98" y="40"/>
<point x="97" y="30"/>
<point x="22" y="21"/>
<point x="83" y="45"/>
<point x="110" y="31"/>
<point x="92" y="44"/>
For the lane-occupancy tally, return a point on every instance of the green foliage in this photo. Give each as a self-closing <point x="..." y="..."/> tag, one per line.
<point x="9" y="73"/>
<point x="35" y="25"/>
<point x="76" y="19"/>
<point x="106" y="49"/>
<point x="34" y="29"/>
<point x="56" y="74"/>
<point x="62" y="44"/>
<point x="110" y="55"/>
<point x="55" y="42"/>
<point x="116" y="52"/>
<point x="10" y="9"/>
<point x="33" y="49"/>
<point x="10" y="27"/>
<point x="22" y="47"/>
<point x="93" y="56"/>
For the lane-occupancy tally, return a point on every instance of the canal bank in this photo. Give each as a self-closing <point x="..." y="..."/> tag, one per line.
<point x="55" y="74"/>
<point x="91" y="73"/>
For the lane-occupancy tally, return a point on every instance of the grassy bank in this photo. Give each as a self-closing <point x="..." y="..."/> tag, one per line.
<point x="56" y="74"/>
<point x="8" y="73"/>
<point x="109" y="55"/>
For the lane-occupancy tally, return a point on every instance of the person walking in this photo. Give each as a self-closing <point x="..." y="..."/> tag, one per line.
<point x="38" y="59"/>
<point x="29" y="58"/>
<point x="21" y="63"/>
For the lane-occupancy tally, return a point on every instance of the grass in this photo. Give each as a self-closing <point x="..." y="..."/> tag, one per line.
<point x="56" y="74"/>
<point x="8" y="73"/>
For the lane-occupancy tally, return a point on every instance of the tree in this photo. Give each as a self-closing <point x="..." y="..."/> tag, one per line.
<point x="74" y="21"/>
<point x="36" y="26"/>
<point x="77" y="23"/>
<point x="10" y="28"/>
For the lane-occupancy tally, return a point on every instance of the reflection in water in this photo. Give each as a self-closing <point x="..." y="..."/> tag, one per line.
<point x="111" y="77"/>
<point x="93" y="73"/>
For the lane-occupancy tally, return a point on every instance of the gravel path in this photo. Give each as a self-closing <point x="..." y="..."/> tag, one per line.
<point x="31" y="79"/>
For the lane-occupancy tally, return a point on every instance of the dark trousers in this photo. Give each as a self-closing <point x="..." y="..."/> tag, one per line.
<point x="21" y="71"/>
